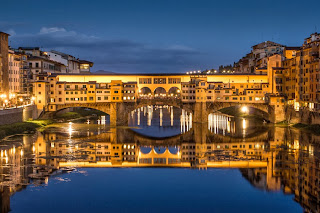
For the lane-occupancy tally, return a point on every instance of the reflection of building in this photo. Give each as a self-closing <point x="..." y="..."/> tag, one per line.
<point x="279" y="159"/>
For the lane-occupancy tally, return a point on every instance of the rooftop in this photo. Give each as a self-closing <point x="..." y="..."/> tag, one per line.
<point x="154" y="74"/>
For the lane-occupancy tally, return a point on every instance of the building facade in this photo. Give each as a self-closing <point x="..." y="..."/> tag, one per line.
<point x="4" y="64"/>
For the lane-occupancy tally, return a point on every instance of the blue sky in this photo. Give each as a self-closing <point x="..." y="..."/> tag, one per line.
<point x="157" y="36"/>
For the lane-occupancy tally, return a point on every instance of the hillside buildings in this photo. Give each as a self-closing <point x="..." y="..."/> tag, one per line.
<point x="20" y="67"/>
<point x="293" y="71"/>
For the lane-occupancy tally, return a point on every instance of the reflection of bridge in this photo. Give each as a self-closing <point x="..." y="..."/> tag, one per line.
<point x="197" y="148"/>
<point x="37" y="158"/>
<point x="117" y="95"/>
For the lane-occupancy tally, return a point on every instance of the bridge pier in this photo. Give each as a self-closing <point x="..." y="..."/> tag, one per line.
<point x="200" y="112"/>
<point x="119" y="113"/>
<point x="277" y="113"/>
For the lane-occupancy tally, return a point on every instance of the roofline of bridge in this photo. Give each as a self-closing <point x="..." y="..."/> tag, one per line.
<point x="154" y="74"/>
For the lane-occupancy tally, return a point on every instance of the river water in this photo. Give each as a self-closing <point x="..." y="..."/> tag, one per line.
<point x="161" y="162"/>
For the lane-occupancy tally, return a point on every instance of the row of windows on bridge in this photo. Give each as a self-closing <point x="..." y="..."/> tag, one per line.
<point x="159" y="80"/>
<point x="99" y="92"/>
<point x="76" y="87"/>
<point x="98" y="98"/>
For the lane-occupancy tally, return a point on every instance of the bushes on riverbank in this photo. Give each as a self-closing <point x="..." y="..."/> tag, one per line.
<point x="314" y="128"/>
<point x="18" y="128"/>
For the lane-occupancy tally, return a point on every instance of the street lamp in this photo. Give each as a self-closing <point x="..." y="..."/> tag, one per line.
<point x="244" y="109"/>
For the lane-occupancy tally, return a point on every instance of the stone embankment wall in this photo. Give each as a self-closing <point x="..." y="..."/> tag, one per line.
<point x="304" y="116"/>
<point x="9" y="116"/>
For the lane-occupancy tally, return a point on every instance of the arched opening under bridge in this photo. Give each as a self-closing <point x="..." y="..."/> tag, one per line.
<point x="89" y="115"/>
<point x="174" y="92"/>
<point x="259" y="112"/>
<point x="160" y="120"/>
<point x="160" y="92"/>
<point x="145" y="92"/>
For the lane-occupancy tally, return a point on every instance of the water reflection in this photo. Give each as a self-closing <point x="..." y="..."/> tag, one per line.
<point x="160" y="121"/>
<point x="278" y="159"/>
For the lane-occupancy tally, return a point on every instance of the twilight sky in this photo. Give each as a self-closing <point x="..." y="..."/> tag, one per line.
<point x="157" y="35"/>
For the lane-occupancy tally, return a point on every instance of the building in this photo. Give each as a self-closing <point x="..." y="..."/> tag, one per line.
<point x="4" y="65"/>
<point x="302" y="74"/>
<point x="73" y="64"/>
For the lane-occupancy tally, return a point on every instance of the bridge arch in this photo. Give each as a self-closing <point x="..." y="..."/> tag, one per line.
<point x="261" y="109"/>
<point x="174" y="91"/>
<point x="107" y="108"/>
<point x="160" y="91"/>
<point x="145" y="91"/>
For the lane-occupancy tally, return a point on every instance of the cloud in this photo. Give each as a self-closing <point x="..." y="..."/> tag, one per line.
<point x="46" y="30"/>
<point x="112" y="54"/>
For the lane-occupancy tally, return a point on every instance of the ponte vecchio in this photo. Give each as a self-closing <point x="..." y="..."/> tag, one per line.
<point x="197" y="93"/>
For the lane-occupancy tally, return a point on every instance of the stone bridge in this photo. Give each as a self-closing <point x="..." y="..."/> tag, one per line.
<point x="119" y="111"/>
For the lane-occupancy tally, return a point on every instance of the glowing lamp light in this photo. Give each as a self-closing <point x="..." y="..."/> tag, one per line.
<point x="244" y="109"/>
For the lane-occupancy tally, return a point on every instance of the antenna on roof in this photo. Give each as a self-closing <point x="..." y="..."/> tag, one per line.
<point x="315" y="28"/>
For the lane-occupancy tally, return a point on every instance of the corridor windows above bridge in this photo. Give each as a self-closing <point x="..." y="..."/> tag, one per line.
<point x="145" y="81"/>
<point x="174" y="80"/>
<point x="159" y="80"/>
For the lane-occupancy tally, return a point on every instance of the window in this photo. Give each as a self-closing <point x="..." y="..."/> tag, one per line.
<point x="39" y="85"/>
<point x="159" y="80"/>
<point x="174" y="80"/>
<point x="144" y="80"/>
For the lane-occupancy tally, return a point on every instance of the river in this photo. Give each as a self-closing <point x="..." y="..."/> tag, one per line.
<point x="161" y="161"/>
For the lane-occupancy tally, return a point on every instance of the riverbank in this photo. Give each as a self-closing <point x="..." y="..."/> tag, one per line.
<point x="21" y="127"/>
<point x="313" y="128"/>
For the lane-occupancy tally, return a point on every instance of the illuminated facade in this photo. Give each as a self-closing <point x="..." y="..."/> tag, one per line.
<point x="4" y="65"/>
<point x="301" y="74"/>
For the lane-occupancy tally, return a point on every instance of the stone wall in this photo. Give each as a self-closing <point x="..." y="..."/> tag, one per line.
<point x="304" y="116"/>
<point x="9" y="116"/>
